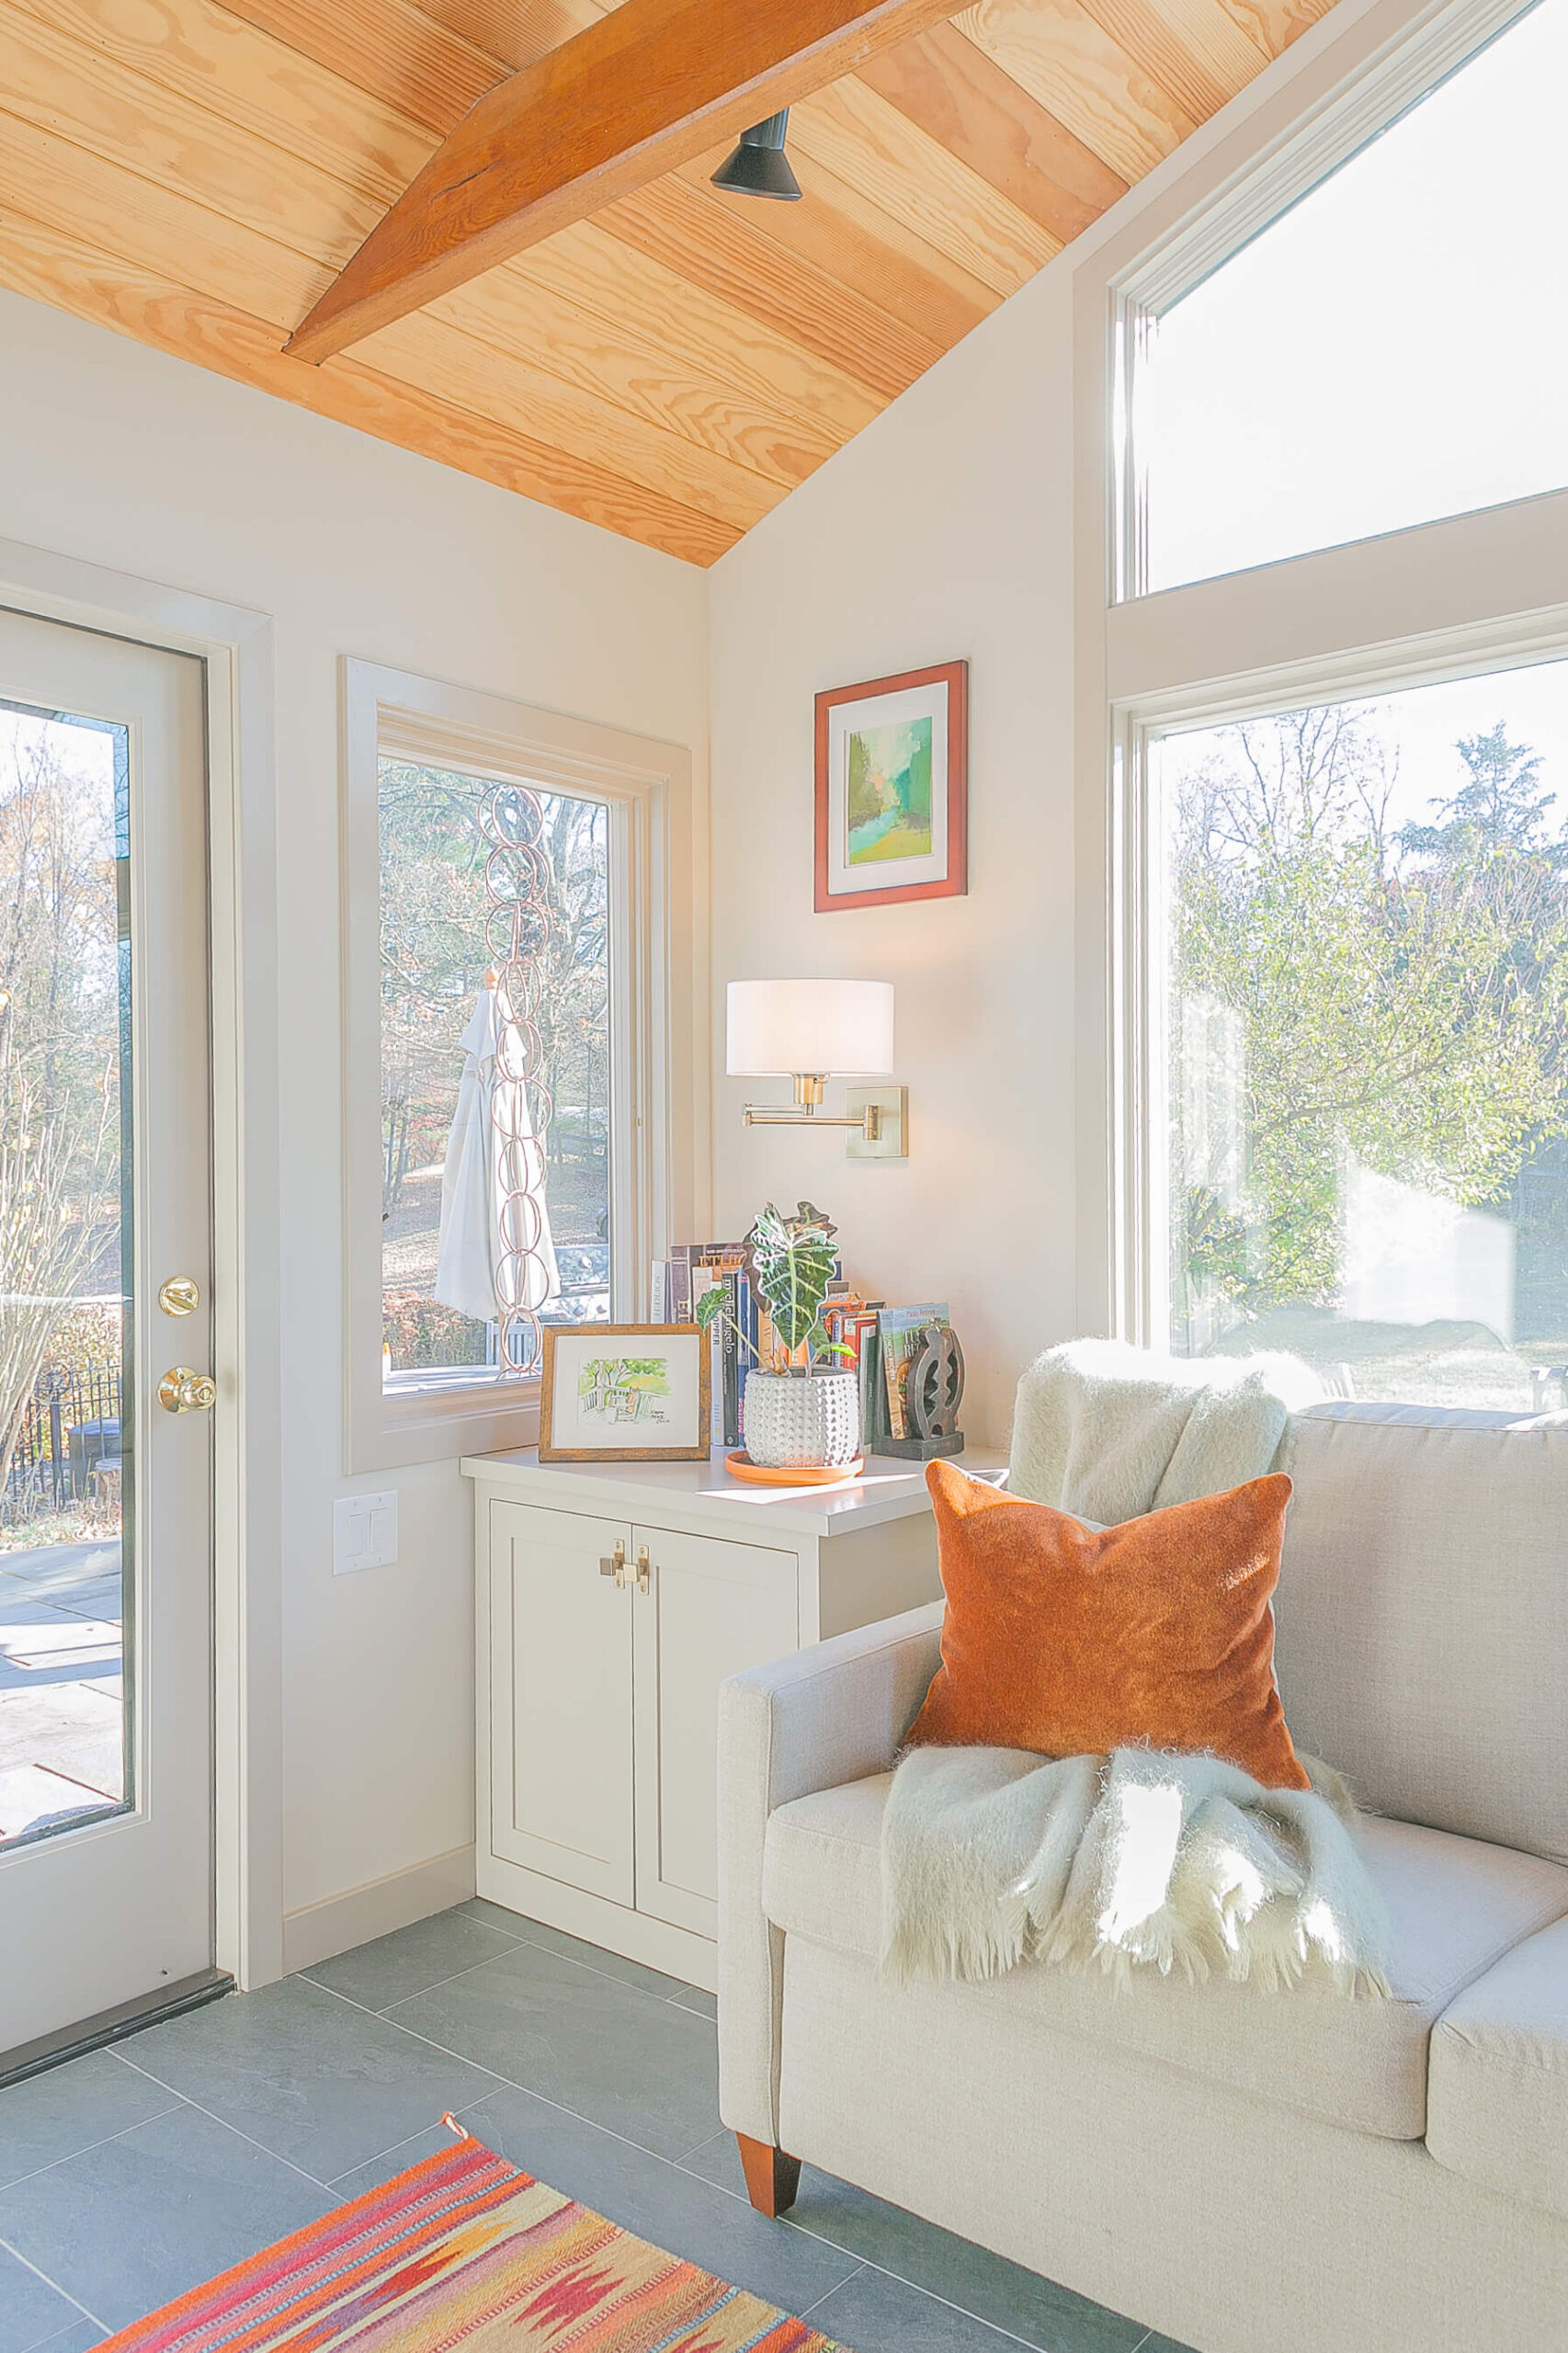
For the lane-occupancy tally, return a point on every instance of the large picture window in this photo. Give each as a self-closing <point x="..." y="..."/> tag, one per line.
<point x="1326" y="797"/>
<point x="1366" y="1038"/>
<point x="1386" y="350"/>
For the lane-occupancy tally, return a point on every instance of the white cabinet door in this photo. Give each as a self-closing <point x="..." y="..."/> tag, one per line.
<point x="560" y="1700"/>
<point x="712" y="1608"/>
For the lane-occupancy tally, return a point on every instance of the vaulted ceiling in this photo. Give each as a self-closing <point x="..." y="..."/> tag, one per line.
<point x="196" y="174"/>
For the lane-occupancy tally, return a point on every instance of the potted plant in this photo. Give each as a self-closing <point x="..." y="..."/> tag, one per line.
<point x="808" y="1415"/>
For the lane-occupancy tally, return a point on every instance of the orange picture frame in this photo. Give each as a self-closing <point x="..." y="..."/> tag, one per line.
<point x="891" y="806"/>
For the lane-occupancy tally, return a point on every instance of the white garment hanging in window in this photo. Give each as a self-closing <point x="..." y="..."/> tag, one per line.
<point x="470" y="1249"/>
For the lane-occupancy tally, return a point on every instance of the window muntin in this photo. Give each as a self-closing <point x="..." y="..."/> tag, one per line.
<point x="1388" y="351"/>
<point x="444" y="942"/>
<point x="1365" y="1039"/>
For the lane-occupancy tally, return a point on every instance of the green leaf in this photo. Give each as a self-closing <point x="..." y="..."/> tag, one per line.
<point x="826" y="1348"/>
<point x="793" y="1271"/>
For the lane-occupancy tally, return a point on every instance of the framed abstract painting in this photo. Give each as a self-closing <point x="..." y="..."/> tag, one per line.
<point x="892" y="789"/>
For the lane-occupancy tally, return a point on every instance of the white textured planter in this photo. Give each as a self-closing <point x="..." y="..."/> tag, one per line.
<point x="799" y="1422"/>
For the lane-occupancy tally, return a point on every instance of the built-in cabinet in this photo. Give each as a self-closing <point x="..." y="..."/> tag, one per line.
<point x="612" y="1602"/>
<point x="605" y="1667"/>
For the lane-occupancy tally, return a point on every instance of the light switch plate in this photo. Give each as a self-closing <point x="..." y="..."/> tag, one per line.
<point x="364" y="1532"/>
<point x="893" y="1104"/>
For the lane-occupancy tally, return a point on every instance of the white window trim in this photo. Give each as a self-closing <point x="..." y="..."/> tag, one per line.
<point x="1470" y="593"/>
<point x="647" y="787"/>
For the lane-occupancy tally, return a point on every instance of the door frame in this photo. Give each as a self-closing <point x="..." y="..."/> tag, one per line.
<point x="235" y="646"/>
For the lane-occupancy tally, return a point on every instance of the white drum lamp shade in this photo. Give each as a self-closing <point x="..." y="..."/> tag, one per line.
<point x="838" y="1028"/>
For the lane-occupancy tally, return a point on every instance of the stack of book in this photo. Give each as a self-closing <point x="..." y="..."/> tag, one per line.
<point x="900" y="1336"/>
<point x="874" y="1341"/>
<point x="744" y="1336"/>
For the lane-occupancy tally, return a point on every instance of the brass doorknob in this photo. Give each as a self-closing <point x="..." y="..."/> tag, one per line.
<point x="184" y="1390"/>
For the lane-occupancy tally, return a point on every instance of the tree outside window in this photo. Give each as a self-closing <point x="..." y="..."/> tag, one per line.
<point x="437" y="946"/>
<point x="1369" y="1043"/>
<point x="62" y="994"/>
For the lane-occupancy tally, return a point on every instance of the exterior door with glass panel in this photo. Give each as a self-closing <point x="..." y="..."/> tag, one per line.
<point x="105" y="1421"/>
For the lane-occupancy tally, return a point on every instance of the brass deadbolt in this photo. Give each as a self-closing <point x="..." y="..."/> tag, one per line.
<point x="181" y="1295"/>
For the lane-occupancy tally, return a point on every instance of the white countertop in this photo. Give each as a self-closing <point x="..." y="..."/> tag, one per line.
<point x="886" y="1490"/>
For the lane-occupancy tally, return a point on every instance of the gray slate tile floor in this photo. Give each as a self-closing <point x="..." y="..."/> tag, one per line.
<point x="134" y="2174"/>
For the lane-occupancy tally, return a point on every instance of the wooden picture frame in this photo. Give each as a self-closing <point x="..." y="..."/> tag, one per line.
<point x="593" y="1416"/>
<point x="892" y="789"/>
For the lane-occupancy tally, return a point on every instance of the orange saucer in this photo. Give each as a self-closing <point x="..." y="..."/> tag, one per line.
<point x="740" y="1466"/>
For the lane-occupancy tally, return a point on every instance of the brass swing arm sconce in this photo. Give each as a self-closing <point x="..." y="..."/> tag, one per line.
<point x="808" y="1085"/>
<point x="809" y="1031"/>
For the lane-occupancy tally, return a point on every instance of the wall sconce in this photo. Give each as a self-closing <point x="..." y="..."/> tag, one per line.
<point x="813" y="1030"/>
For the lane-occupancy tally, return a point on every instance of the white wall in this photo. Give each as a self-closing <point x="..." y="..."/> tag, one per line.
<point x="943" y="532"/>
<point x="946" y="530"/>
<point x="121" y="457"/>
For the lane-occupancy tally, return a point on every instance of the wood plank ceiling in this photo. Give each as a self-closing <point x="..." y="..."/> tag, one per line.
<point x="195" y="175"/>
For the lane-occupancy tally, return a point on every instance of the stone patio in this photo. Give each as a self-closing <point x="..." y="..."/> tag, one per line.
<point x="62" y="1697"/>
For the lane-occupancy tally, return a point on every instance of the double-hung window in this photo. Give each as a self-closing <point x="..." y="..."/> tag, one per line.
<point x="515" y="1003"/>
<point x="1336" y="673"/>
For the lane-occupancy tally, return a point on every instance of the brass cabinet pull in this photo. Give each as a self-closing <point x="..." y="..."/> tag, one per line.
<point x="184" y="1390"/>
<point x="616" y="1565"/>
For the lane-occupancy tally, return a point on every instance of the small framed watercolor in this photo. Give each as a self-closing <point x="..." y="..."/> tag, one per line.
<point x="892" y="789"/>
<point x="624" y="1393"/>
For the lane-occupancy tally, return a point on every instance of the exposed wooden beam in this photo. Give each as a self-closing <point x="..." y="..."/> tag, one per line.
<point x="631" y="97"/>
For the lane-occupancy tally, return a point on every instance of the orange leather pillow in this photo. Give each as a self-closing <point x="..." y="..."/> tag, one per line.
<point x="1157" y="1633"/>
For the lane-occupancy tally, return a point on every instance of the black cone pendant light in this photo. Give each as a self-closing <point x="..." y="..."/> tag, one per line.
<point x="759" y="165"/>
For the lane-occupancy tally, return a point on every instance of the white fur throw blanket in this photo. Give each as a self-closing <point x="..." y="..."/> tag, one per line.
<point x="1107" y="1431"/>
<point x="1138" y="1860"/>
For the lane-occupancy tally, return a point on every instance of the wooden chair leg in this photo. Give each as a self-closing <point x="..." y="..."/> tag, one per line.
<point x="772" y="2178"/>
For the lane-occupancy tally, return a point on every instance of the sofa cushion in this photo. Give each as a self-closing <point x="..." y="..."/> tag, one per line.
<point x="1456" y="1905"/>
<point x="1070" y="1642"/>
<point x="1497" y="2104"/>
<point x="1422" y="1615"/>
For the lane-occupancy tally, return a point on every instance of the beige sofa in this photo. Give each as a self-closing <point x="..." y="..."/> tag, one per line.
<point x="1247" y="2173"/>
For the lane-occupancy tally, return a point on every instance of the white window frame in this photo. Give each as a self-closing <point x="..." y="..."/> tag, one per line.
<point x="1486" y="590"/>
<point x="646" y="787"/>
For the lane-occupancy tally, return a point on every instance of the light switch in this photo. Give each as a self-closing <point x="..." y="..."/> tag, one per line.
<point x="364" y="1532"/>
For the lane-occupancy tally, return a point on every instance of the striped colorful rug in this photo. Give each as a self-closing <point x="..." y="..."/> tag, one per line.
<point x="464" y="2254"/>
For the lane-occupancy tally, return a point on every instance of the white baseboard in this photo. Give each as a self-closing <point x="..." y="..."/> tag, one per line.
<point x="320" y="1930"/>
<point x="680" y="1952"/>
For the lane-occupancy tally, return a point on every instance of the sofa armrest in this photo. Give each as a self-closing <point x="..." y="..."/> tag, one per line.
<point x="832" y="1713"/>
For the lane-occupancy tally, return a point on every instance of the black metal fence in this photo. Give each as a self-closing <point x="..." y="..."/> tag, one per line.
<point x="70" y="1428"/>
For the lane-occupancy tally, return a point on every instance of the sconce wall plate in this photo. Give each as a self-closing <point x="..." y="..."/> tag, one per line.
<point x="892" y="1102"/>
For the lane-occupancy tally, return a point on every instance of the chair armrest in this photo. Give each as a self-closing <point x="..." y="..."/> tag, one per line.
<point x="832" y="1713"/>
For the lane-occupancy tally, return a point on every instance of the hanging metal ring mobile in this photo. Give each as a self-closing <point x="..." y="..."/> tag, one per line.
<point x="518" y="931"/>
